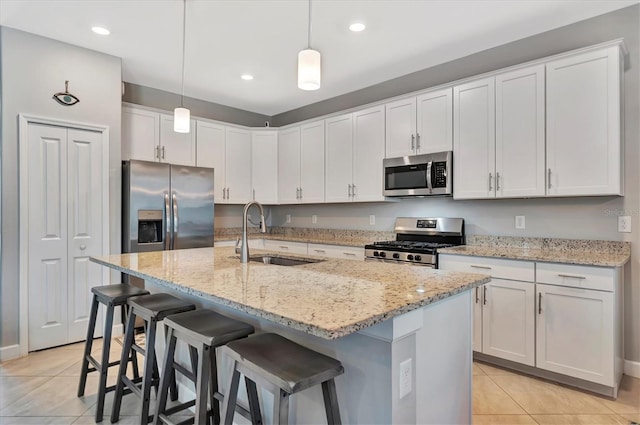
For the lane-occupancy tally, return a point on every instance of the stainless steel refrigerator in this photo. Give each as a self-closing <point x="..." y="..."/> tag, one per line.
<point x="165" y="207"/>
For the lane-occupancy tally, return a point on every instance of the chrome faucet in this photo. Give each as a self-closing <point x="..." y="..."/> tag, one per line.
<point x="244" y="248"/>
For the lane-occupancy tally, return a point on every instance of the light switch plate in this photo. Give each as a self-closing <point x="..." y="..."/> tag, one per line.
<point x="288" y="218"/>
<point x="372" y="219"/>
<point x="314" y="219"/>
<point x="406" y="375"/>
<point x="520" y="222"/>
<point x="624" y="224"/>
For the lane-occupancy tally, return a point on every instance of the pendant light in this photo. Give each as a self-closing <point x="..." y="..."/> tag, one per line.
<point x="181" y="115"/>
<point x="309" y="63"/>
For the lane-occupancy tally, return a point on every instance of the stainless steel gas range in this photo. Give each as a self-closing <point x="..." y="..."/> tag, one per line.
<point x="417" y="241"/>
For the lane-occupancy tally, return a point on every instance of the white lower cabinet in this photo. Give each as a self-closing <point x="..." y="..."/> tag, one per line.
<point x="336" y="251"/>
<point x="285" y="246"/>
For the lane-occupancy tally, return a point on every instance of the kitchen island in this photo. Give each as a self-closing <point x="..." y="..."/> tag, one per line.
<point x="376" y="318"/>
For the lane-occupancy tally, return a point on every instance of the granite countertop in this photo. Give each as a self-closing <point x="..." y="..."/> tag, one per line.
<point x="329" y="299"/>
<point x="566" y="251"/>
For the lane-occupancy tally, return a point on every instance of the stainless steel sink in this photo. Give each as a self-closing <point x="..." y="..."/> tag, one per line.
<point x="283" y="261"/>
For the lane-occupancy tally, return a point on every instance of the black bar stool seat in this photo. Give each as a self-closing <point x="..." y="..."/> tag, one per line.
<point x="203" y="331"/>
<point x="285" y="368"/>
<point x="111" y="296"/>
<point x="152" y="308"/>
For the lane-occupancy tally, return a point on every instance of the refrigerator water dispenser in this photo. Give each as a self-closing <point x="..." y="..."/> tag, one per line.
<point x="149" y="226"/>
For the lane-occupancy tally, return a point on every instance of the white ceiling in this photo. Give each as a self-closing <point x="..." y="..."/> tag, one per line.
<point x="226" y="38"/>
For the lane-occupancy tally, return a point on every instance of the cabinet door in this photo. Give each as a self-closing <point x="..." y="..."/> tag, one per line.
<point x="238" y="165"/>
<point x="336" y="251"/>
<point x="583" y="124"/>
<point x="508" y="321"/>
<point x="285" y="246"/>
<point x="520" y="166"/>
<point x="264" y="166"/>
<point x="401" y="127"/>
<point x="210" y="146"/>
<point x="435" y="121"/>
<point x="474" y="140"/>
<point x="176" y="148"/>
<point x="312" y="163"/>
<point x="476" y="306"/>
<point x="140" y="134"/>
<point x="339" y="147"/>
<point x="368" y="151"/>
<point x="575" y="332"/>
<point x="289" y="165"/>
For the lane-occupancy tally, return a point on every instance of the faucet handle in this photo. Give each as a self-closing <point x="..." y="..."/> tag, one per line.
<point x="238" y="246"/>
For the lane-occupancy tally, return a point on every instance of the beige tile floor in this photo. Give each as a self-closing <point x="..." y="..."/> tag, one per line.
<point x="41" y="389"/>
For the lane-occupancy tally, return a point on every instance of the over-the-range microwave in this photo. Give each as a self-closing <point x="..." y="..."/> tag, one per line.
<point x="419" y="175"/>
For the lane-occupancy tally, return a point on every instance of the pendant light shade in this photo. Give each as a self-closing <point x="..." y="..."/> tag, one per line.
<point x="309" y="69"/>
<point x="181" y="115"/>
<point x="181" y="120"/>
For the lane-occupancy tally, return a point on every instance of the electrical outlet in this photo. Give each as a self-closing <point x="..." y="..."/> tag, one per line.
<point x="372" y="219"/>
<point x="624" y="224"/>
<point x="314" y="219"/>
<point x="288" y="218"/>
<point x="520" y="223"/>
<point x="406" y="378"/>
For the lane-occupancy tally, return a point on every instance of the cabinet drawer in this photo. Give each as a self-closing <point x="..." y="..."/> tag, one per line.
<point x="336" y="251"/>
<point x="495" y="267"/>
<point x="599" y="278"/>
<point x="285" y="246"/>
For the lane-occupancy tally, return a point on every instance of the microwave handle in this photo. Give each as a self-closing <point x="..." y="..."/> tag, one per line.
<point x="429" y="185"/>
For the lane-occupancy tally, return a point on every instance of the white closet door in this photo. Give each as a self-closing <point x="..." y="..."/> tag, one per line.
<point x="85" y="217"/>
<point x="47" y="274"/>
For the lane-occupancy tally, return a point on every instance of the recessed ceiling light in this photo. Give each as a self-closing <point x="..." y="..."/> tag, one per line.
<point x="357" y="27"/>
<point x="100" y="30"/>
<point x="247" y="77"/>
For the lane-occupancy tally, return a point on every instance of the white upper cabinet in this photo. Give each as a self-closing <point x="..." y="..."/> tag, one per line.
<point x="289" y="165"/>
<point x="238" y="170"/>
<point x="520" y="153"/>
<point x="140" y="134"/>
<point x="312" y="162"/>
<point x="474" y="139"/>
<point x="418" y="125"/>
<point x="210" y="150"/>
<point x="368" y="153"/>
<point x="177" y="148"/>
<point x="264" y="166"/>
<point x="583" y="124"/>
<point x="339" y="160"/>
<point x="435" y="121"/>
<point x="228" y="151"/>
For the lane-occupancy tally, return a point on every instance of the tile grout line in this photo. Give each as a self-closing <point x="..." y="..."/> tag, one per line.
<point x="511" y="397"/>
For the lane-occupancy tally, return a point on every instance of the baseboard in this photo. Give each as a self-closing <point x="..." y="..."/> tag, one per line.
<point x="9" y="352"/>
<point x="632" y="368"/>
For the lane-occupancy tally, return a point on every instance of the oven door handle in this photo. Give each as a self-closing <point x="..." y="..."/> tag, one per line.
<point x="429" y="185"/>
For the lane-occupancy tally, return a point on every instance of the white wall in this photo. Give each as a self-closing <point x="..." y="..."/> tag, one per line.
<point x="33" y="68"/>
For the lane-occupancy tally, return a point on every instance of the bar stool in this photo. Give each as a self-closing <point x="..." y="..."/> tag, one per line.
<point x="153" y="309"/>
<point x="111" y="296"/>
<point x="203" y="331"/>
<point x="283" y="367"/>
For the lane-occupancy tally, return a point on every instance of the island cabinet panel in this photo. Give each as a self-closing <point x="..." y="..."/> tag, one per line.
<point x="177" y="148"/>
<point x="575" y="333"/>
<point x="477" y="302"/>
<point x="583" y="124"/>
<point x="264" y="166"/>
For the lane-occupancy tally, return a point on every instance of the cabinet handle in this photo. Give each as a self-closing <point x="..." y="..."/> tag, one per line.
<point x="549" y="178"/>
<point x="300" y="193"/>
<point x="157" y="152"/>
<point x="417" y="141"/>
<point x="497" y="181"/>
<point x="413" y="142"/>
<point x="350" y="254"/>
<point x="349" y="191"/>
<point x="539" y="302"/>
<point x="484" y="301"/>
<point x="224" y="193"/>
<point x="480" y="267"/>
<point x="572" y="276"/>
<point x="163" y="152"/>
<point x="228" y="196"/>
<point x="321" y="251"/>
<point x="284" y="247"/>
<point x="490" y="180"/>
<point x="477" y="297"/>
<point x="353" y="190"/>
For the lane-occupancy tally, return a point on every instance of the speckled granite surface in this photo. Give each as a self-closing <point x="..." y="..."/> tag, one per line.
<point x="568" y="251"/>
<point x="329" y="299"/>
<point x="342" y="237"/>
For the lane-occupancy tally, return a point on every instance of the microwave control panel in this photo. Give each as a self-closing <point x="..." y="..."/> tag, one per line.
<point x="440" y="174"/>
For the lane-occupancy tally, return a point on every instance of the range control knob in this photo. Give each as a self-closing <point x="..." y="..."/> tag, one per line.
<point x="396" y="255"/>
<point x="409" y="257"/>
<point x="418" y="258"/>
<point x="376" y="253"/>
<point x="383" y="254"/>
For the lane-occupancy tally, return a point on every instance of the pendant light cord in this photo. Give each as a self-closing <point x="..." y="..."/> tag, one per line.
<point x="309" y="28"/>
<point x="184" y="31"/>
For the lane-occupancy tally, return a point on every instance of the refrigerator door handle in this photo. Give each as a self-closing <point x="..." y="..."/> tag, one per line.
<point x="175" y="221"/>
<point x="167" y="224"/>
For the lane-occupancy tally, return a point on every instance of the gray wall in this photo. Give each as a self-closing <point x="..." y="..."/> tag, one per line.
<point x="589" y="218"/>
<point x="33" y="68"/>
<point x="160" y="99"/>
